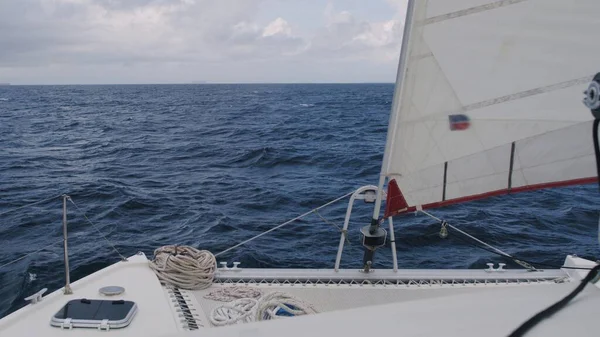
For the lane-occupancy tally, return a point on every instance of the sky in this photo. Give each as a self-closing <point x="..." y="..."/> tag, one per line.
<point x="183" y="41"/>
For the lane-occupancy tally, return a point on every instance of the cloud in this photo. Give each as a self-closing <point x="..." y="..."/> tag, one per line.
<point x="45" y="38"/>
<point x="73" y="31"/>
<point x="279" y="27"/>
<point x="345" y="35"/>
<point x="99" y="31"/>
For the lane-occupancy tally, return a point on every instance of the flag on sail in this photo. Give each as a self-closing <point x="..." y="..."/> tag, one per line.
<point x="488" y="100"/>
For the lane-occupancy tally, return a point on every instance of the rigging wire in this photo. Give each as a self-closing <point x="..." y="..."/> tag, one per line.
<point x="31" y="204"/>
<point x="285" y="223"/>
<point x="57" y="242"/>
<point x="344" y="232"/>
<point x="123" y="258"/>
<point x="511" y="257"/>
<point x="548" y="312"/>
<point x="517" y="261"/>
<point x="489" y="248"/>
<point x="32" y="253"/>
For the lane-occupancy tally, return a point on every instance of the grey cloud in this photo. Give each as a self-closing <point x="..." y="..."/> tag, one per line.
<point x="69" y="32"/>
<point x="62" y="37"/>
<point x="31" y="33"/>
<point x="348" y="37"/>
<point x="134" y="4"/>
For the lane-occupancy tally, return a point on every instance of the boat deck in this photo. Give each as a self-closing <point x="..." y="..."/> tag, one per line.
<point x="167" y="311"/>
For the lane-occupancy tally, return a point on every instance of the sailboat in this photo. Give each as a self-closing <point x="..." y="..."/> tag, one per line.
<point x="488" y="102"/>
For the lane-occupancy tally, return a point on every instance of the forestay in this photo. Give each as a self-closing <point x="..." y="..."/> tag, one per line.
<point x="489" y="100"/>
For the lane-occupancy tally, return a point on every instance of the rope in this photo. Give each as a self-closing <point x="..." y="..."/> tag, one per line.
<point x="233" y="293"/>
<point x="29" y="254"/>
<point x="551" y="310"/>
<point x="184" y="267"/>
<point x="519" y="262"/>
<point x="597" y="155"/>
<point x="238" y="311"/>
<point x="285" y="223"/>
<point x="31" y="204"/>
<point x="123" y="258"/>
<point x="271" y="306"/>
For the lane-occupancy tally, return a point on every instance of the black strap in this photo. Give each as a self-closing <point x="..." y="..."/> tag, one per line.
<point x="597" y="148"/>
<point x="546" y="313"/>
<point x="542" y="315"/>
<point x="445" y="179"/>
<point x="512" y="163"/>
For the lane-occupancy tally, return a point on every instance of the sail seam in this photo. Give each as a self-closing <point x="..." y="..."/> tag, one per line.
<point x="421" y="56"/>
<point x="509" y="98"/>
<point x="469" y="11"/>
<point x="527" y="93"/>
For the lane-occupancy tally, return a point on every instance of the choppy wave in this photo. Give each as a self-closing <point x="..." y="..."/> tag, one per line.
<point x="212" y="165"/>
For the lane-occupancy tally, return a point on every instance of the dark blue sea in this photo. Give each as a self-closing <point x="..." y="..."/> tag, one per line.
<point x="212" y="165"/>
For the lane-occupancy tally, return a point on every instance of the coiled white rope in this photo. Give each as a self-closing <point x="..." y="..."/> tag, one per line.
<point x="233" y="293"/>
<point x="271" y="306"/>
<point x="238" y="311"/>
<point x="184" y="267"/>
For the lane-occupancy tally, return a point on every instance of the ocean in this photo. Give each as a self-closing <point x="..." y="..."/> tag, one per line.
<point x="212" y="165"/>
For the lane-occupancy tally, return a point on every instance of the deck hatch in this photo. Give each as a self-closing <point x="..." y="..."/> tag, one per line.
<point x="100" y="314"/>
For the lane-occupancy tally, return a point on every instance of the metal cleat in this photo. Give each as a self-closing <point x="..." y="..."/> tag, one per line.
<point x="37" y="297"/>
<point x="235" y="266"/>
<point x="223" y="266"/>
<point x="491" y="268"/>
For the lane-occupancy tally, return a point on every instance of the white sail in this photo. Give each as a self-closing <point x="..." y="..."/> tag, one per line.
<point x="489" y="99"/>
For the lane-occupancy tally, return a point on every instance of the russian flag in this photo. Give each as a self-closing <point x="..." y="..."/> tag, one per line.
<point x="459" y="122"/>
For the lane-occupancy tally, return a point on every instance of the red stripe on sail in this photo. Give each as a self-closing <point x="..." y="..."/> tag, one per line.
<point x="474" y="197"/>
<point x="395" y="202"/>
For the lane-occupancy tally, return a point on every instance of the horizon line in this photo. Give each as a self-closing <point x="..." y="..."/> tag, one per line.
<point x="8" y="84"/>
